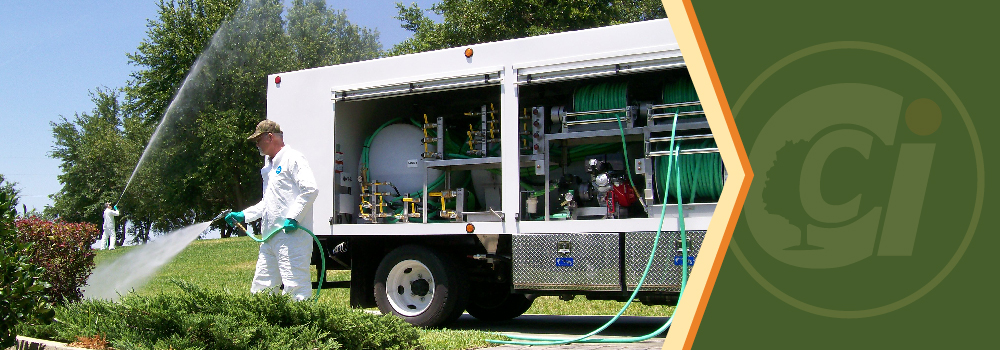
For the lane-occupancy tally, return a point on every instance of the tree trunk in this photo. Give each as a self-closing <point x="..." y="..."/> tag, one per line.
<point x="238" y="189"/>
<point x="120" y="233"/>
<point x="145" y="232"/>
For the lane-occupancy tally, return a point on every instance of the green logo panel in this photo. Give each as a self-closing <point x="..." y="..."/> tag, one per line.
<point x="854" y="168"/>
<point x="870" y="128"/>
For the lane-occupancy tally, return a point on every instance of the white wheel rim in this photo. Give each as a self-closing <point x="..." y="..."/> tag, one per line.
<point x="410" y="287"/>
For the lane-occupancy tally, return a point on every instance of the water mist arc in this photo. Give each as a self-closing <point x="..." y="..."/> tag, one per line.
<point x="196" y="68"/>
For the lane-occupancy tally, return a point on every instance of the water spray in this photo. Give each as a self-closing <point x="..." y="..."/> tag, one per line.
<point x="215" y="43"/>
<point x="134" y="269"/>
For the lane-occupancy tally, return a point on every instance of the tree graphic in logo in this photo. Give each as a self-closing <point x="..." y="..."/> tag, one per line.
<point x="781" y="190"/>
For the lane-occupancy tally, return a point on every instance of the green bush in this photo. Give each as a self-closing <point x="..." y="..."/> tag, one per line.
<point x="22" y="293"/>
<point x="63" y="250"/>
<point x="197" y="318"/>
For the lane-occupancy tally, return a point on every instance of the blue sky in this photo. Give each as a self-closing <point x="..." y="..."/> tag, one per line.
<point x="52" y="54"/>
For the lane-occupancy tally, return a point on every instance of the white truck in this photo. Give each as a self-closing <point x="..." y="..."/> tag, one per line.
<point x="476" y="178"/>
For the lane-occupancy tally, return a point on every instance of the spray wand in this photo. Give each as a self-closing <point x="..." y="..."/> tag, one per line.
<point x="123" y="195"/>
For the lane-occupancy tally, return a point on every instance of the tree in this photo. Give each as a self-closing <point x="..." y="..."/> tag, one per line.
<point x="177" y="139"/>
<point x="781" y="190"/>
<point x="94" y="158"/>
<point x="174" y="41"/>
<point x="167" y="95"/>
<point x="322" y="37"/>
<point x="468" y="22"/>
<point x="200" y="162"/>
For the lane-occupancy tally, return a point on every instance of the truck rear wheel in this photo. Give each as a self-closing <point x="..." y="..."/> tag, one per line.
<point x="421" y="286"/>
<point x="498" y="306"/>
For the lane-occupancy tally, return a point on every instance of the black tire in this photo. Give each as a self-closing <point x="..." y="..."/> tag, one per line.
<point x="423" y="287"/>
<point x="498" y="305"/>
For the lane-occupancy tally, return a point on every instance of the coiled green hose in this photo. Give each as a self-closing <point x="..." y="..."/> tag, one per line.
<point x="672" y="163"/>
<point x="701" y="179"/>
<point x="681" y="89"/>
<point x="649" y="263"/>
<point x="600" y="97"/>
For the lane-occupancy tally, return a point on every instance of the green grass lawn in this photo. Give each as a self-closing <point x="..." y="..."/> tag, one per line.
<point x="228" y="264"/>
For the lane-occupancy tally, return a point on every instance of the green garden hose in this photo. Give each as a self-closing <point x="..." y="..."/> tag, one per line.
<point x="704" y="179"/>
<point x="599" y="97"/>
<point x="604" y="96"/>
<point x="701" y="180"/>
<point x="322" y="259"/>
<point x="575" y="154"/>
<point x="628" y="170"/>
<point x="649" y="263"/>
<point x="449" y="145"/>
<point x="367" y="147"/>
<point x="680" y="90"/>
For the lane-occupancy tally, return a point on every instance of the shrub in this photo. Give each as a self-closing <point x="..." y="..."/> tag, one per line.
<point x="63" y="249"/>
<point x="22" y="293"/>
<point x="197" y="318"/>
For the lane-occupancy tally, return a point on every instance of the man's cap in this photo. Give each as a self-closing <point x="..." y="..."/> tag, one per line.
<point x="265" y="126"/>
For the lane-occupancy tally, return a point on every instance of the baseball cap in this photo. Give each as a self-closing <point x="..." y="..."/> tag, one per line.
<point x="265" y="126"/>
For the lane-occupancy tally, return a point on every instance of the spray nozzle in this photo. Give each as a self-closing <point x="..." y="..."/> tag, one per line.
<point x="222" y="214"/>
<point x="234" y="224"/>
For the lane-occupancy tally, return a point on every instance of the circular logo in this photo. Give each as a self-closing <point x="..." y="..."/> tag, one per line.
<point x="869" y="179"/>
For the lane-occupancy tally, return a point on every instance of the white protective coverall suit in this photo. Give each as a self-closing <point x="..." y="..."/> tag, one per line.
<point x="289" y="192"/>
<point x="109" y="236"/>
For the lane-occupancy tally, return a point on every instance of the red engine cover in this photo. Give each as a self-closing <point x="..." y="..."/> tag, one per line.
<point x="623" y="195"/>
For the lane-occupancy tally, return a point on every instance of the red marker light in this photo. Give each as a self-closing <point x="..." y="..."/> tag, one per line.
<point x="277" y="80"/>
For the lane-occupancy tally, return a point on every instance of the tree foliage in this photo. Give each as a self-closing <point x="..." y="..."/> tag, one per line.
<point x="183" y="118"/>
<point x="322" y="37"/>
<point x="94" y="158"/>
<point x="22" y="291"/>
<point x="468" y="22"/>
<point x="173" y="43"/>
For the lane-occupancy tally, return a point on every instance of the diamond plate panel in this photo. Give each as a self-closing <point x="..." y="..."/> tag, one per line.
<point x="663" y="274"/>
<point x="595" y="261"/>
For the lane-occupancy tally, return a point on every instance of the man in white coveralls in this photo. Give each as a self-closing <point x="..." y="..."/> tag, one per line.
<point x="109" y="236"/>
<point x="289" y="192"/>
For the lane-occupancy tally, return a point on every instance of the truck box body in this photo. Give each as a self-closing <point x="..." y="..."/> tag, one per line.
<point x="534" y="195"/>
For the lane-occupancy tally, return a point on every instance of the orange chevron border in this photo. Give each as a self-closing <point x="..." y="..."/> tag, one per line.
<point x="691" y="308"/>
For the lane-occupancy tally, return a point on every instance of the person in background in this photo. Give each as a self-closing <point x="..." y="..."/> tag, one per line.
<point x="289" y="192"/>
<point x="109" y="237"/>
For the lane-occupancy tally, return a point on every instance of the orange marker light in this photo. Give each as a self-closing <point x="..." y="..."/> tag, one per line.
<point x="468" y="52"/>
<point x="470" y="228"/>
